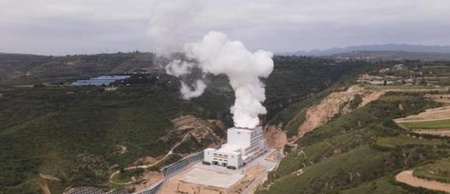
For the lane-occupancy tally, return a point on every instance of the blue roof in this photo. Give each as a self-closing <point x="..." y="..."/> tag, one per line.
<point x="101" y="80"/>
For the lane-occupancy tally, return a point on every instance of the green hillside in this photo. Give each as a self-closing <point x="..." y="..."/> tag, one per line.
<point x="74" y="134"/>
<point x="358" y="152"/>
<point x="30" y="69"/>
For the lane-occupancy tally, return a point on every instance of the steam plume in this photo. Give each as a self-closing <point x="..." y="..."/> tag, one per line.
<point x="216" y="54"/>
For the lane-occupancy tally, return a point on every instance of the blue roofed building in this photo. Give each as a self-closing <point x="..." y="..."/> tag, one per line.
<point x="100" y="81"/>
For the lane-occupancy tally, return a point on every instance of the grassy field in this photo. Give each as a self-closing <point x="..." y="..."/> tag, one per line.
<point x="403" y="140"/>
<point x="438" y="171"/>
<point x="439" y="124"/>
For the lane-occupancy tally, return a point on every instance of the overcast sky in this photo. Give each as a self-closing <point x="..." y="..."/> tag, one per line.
<point x="60" y="27"/>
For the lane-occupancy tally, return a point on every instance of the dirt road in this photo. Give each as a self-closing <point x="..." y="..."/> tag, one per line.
<point x="147" y="165"/>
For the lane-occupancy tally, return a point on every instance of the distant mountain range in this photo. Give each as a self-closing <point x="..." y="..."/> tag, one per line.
<point x="382" y="47"/>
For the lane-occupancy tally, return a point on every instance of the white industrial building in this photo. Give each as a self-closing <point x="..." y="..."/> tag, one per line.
<point x="243" y="145"/>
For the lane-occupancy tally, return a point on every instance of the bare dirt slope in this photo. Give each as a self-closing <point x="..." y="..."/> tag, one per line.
<point x="275" y="137"/>
<point x="408" y="178"/>
<point x="198" y="128"/>
<point x="336" y="103"/>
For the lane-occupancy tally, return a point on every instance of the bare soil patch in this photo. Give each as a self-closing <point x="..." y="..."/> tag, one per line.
<point x="337" y="102"/>
<point x="145" y="160"/>
<point x="48" y="177"/>
<point x="198" y="128"/>
<point x="408" y="178"/>
<point x="275" y="137"/>
<point x="433" y="114"/>
<point x="45" y="189"/>
<point x="177" y="185"/>
<point x="250" y="175"/>
<point x="371" y="97"/>
<point x="121" y="149"/>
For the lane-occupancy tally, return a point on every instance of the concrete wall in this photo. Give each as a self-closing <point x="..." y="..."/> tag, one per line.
<point x="170" y="171"/>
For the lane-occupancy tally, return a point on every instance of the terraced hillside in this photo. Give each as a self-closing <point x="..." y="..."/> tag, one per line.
<point x="359" y="152"/>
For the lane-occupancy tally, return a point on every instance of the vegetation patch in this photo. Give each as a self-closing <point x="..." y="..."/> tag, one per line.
<point x="439" y="124"/>
<point x="127" y="176"/>
<point x="437" y="171"/>
<point x="332" y="173"/>
<point x="345" y="155"/>
<point x="380" y="185"/>
<point x="403" y="140"/>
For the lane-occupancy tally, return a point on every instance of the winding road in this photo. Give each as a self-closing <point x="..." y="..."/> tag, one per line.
<point x="147" y="165"/>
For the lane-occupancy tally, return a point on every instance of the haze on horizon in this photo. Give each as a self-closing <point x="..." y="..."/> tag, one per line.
<point x="53" y="27"/>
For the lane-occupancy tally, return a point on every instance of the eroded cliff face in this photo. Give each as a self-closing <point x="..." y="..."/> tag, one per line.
<point x="334" y="104"/>
<point x="275" y="136"/>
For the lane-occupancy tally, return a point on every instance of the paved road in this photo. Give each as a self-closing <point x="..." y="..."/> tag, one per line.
<point x="261" y="178"/>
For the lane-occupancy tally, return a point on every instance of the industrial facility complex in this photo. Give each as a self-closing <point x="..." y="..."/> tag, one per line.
<point x="243" y="146"/>
<point x="100" y="80"/>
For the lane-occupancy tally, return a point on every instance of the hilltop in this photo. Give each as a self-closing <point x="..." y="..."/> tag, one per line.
<point x="377" y="47"/>
<point x="18" y="69"/>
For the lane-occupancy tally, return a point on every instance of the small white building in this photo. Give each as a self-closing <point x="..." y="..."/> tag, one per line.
<point x="243" y="145"/>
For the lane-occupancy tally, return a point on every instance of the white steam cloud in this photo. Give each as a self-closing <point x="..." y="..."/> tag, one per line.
<point x="216" y="54"/>
<point x="198" y="90"/>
